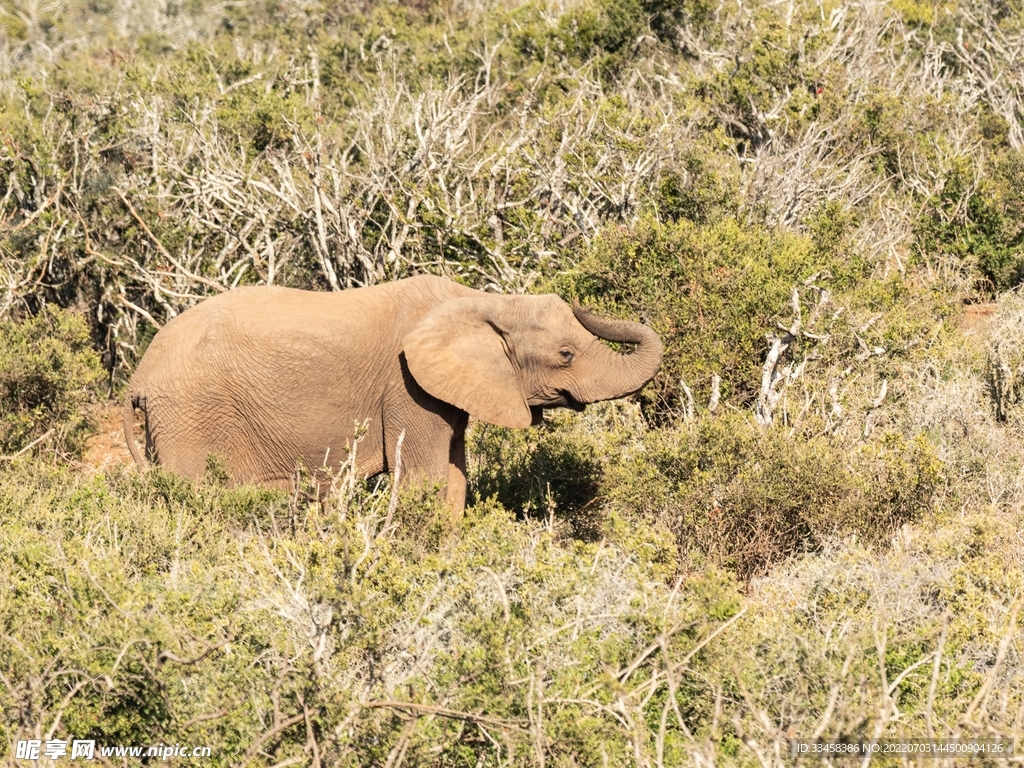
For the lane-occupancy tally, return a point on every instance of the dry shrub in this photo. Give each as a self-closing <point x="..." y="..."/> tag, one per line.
<point x="921" y="641"/>
<point x="304" y="629"/>
<point x="1004" y="364"/>
<point x="257" y="186"/>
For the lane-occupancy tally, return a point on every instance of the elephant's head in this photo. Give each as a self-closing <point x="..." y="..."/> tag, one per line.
<point x="505" y="358"/>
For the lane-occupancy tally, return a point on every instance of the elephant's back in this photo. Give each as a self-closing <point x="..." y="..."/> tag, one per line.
<point x="281" y="316"/>
<point x="287" y="324"/>
<point x="256" y="320"/>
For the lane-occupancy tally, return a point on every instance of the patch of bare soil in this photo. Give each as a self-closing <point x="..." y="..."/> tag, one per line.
<point x="977" y="318"/>
<point x="107" y="449"/>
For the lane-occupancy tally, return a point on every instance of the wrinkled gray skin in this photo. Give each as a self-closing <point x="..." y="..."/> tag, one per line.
<point x="267" y="377"/>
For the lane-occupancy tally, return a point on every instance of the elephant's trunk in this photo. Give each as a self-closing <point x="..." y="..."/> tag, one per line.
<point x="620" y="374"/>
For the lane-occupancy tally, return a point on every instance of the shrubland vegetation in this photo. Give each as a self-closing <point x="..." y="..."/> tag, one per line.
<point x="808" y="525"/>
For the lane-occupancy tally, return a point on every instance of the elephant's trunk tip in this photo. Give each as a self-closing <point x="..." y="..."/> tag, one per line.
<point x="625" y="373"/>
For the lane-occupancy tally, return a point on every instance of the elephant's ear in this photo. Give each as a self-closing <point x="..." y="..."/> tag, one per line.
<point x="457" y="354"/>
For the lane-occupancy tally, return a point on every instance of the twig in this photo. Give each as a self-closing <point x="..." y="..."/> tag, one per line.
<point x="469" y="717"/>
<point x="393" y="501"/>
<point x="267" y="735"/>
<point x="166" y="254"/>
<point x="712" y="636"/>
<point x="204" y="718"/>
<point x="936" y="666"/>
<point x="501" y="592"/>
<point x="30" y="446"/>
<point x="1004" y="647"/>
<point x="397" y="755"/>
<point x="104" y="592"/>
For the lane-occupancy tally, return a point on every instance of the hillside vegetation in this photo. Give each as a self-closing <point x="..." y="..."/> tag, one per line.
<point x="809" y="525"/>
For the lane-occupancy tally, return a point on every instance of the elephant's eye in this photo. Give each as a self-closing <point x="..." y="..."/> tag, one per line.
<point x="566" y="355"/>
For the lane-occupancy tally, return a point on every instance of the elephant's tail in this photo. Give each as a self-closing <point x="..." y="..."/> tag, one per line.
<point x="132" y="400"/>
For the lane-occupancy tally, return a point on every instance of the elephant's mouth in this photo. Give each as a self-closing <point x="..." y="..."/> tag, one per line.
<point x="562" y="399"/>
<point x="565" y="399"/>
<point x="572" y="402"/>
<point x="537" y="415"/>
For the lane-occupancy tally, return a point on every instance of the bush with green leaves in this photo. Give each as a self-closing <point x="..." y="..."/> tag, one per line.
<point x="557" y="471"/>
<point x="48" y="372"/>
<point x="746" y="498"/>
<point x="1004" y="362"/>
<point x="711" y="293"/>
<point x="146" y="609"/>
<point x="735" y="495"/>
<point x="978" y="220"/>
<point x="538" y="472"/>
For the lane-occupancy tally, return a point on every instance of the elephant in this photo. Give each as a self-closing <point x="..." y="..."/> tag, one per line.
<point x="268" y="376"/>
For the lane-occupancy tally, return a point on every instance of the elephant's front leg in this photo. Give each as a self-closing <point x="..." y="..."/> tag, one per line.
<point x="430" y="448"/>
<point x="455" y="493"/>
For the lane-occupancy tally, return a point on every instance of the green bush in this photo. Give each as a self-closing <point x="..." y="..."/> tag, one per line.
<point x="979" y="222"/>
<point x="711" y="293"/>
<point x="733" y="494"/>
<point x="971" y="204"/>
<point x="699" y="188"/>
<point x="666" y="16"/>
<point x="191" y="614"/>
<point x="996" y="223"/>
<point x="48" y="372"/>
<point x="767" y="65"/>
<point x="535" y="471"/>
<point x="556" y="470"/>
<point x="607" y="29"/>
<point x="746" y="498"/>
<point x="1004" y="362"/>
